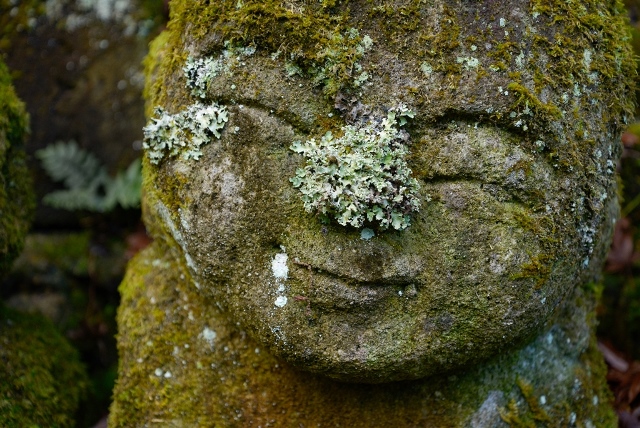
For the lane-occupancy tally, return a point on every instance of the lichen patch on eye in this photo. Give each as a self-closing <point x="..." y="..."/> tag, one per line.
<point x="361" y="176"/>
<point x="183" y="133"/>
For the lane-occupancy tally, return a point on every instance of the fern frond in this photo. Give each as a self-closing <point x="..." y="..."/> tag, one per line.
<point x="81" y="198"/>
<point x="89" y="187"/>
<point x="68" y="163"/>
<point x="126" y="187"/>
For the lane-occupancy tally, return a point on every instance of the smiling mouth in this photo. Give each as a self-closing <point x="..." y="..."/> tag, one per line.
<point x="334" y="291"/>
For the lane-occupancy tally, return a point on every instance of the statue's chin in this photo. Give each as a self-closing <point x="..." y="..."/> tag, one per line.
<point x="360" y="361"/>
<point x="381" y="338"/>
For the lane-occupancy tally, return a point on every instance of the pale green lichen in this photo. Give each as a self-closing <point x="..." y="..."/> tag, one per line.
<point x="201" y="71"/>
<point x="184" y="132"/>
<point x="361" y="176"/>
<point x="333" y="55"/>
<point x="341" y="47"/>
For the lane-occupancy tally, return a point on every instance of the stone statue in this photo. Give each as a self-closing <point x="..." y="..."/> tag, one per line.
<point x="375" y="214"/>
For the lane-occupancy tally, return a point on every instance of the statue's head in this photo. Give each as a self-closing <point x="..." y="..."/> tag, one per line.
<point x="495" y="136"/>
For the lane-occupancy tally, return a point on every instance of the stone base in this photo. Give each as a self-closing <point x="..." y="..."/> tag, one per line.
<point x="185" y="364"/>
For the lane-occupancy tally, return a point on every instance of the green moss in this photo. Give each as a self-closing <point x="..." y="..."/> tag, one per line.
<point x="42" y="379"/>
<point x="533" y="416"/>
<point x="316" y="38"/>
<point x="16" y="195"/>
<point x="526" y="98"/>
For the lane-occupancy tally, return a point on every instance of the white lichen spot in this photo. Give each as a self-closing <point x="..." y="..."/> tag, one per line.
<point x="361" y="79"/>
<point x="280" y="301"/>
<point x="209" y="336"/>
<point x="586" y="59"/>
<point x="279" y="266"/>
<point x="159" y="372"/>
<point x="503" y="22"/>
<point x="167" y="375"/>
<point x="474" y="48"/>
<point x="366" y="42"/>
<point x="549" y="339"/>
<point x="520" y="60"/>
<point x="543" y="400"/>
<point x="576" y="90"/>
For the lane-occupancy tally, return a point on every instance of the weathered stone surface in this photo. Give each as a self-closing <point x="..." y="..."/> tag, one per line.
<point x="514" y="141"/>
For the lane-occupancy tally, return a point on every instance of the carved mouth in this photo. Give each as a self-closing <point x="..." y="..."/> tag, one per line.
<point x="331" y="290"/>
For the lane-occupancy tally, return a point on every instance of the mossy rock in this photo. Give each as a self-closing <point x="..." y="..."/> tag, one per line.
<point x="41" y="378"/>
<point x="16" y="195"/>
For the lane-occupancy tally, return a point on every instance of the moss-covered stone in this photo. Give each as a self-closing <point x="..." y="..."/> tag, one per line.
<point x="516" y="154"/>
<point x="41" y="378"/>
<point x="16" y="196"/>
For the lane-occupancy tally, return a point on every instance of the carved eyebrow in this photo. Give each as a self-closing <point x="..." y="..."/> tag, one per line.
<point x="298" y="123"/>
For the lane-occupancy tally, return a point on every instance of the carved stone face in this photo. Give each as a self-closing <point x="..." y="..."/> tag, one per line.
<point x="517" y="157"/>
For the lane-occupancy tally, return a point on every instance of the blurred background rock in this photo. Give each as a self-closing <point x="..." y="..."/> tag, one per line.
<point x="77" y="66"/>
